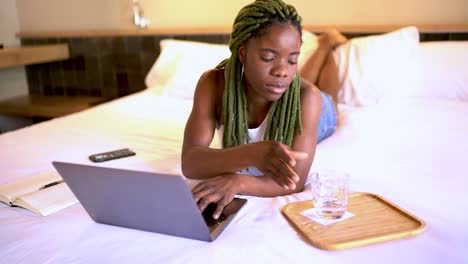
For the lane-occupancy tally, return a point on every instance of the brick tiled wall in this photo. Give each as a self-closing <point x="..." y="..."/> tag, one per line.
<point x="110" y="67"/>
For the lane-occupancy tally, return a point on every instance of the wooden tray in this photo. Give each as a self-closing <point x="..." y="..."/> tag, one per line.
<point x="375" y="220"/>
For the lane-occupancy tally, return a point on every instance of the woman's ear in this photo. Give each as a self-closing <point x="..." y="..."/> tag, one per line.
<point x="242" y="53"/>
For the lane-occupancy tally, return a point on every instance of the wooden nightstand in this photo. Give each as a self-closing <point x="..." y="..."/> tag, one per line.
<point x="46" y="107"/>
<point x="25" y="55"/>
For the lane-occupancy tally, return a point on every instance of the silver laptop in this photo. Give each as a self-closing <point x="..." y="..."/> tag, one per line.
<point x="146" y="201"/>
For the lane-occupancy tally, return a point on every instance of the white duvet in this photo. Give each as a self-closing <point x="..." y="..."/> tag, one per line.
<point x="412" y="152"/>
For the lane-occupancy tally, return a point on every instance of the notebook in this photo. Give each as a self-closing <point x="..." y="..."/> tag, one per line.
<point x="148" y="201"/>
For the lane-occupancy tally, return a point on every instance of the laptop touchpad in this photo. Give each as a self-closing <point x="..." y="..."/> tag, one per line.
<point x="208" y="215"/>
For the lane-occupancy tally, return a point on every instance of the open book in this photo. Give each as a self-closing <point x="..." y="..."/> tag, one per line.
<point x="43" y="193"/>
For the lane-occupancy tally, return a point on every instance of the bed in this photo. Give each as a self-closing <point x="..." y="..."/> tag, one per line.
<point x="402" y="134"/>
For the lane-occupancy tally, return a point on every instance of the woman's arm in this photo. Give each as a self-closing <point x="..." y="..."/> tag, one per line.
<point x="198" y="160"/>
<point x="311" y="105"/>
<point x="305" y="142"/>
<point x="223" y="188"/>
<point x="201" y="162"/>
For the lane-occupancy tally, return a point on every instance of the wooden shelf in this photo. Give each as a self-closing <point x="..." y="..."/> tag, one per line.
<point x="426" y="28"/>
<point x="10" y="57"/>
<point x="47" y="106"/>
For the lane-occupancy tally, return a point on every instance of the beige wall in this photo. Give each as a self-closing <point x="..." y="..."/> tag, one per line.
<point x="50" y="15"/>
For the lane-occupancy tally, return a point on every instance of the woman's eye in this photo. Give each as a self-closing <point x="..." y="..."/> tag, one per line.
<point x="266" y="59"/>
<point x="292" y="62"/>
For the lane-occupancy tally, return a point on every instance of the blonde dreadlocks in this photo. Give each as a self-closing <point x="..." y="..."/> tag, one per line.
<point x="284" y="116"/>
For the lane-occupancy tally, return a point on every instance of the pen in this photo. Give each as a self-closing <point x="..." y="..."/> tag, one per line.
<point x="51" y="184"/>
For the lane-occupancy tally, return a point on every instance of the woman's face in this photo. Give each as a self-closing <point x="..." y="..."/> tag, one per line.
<point x="270" y="61"/>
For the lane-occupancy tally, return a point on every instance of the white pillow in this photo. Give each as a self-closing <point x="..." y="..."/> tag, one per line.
<point x="369" y="66"/>
<point x="180" y="65"/>
<point x="440" y="70"/>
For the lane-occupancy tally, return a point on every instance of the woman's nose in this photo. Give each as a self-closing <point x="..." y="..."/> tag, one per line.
<point x="280" y="71"/>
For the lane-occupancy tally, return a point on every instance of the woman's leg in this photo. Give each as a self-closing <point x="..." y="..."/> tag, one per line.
<point x="328" y="77"/>
<point x="320" y="68"/>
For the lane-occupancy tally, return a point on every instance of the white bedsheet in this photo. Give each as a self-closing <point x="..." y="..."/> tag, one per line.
<point x="414" y="153"/>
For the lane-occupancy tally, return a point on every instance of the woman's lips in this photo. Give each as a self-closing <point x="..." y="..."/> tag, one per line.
<point x="277" y="88"/>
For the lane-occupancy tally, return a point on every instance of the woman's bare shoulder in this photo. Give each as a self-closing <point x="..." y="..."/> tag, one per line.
<point x="311" y="105"/>
<point x="310" y="94"/>
<point x="211" y="81"/>
<point x="213" y="78"/>
<point x="209" y="92"/>
<point x="210" y="84"/>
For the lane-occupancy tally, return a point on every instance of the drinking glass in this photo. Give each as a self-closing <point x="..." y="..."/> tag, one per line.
<point x="330" y="193"/>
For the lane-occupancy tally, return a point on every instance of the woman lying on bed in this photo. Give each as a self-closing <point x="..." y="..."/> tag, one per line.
<point x="269" y="118"/>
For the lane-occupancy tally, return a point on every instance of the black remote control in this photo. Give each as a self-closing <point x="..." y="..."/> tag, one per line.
<point x="110" y="155"/>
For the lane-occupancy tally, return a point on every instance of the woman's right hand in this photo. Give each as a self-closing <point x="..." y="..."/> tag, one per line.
<point x="277" y="161"/>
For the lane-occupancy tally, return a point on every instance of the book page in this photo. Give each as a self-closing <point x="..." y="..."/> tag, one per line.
<point x="32" y="183"/>
<point x="48" y="201"/>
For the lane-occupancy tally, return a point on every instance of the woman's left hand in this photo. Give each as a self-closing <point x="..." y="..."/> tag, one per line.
<point x="219" y="190"/>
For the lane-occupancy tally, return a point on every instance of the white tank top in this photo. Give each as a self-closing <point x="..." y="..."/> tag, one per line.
<point x="256" y="135"/>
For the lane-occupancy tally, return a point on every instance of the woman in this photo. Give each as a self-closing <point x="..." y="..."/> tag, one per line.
<point x="268" y="117"/>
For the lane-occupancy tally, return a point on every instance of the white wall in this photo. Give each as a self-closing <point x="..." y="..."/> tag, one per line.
<point x="50" y="15"/>
<point x="12" y="80"/>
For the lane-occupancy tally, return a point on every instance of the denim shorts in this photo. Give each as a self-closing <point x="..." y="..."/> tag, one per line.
<point x="327" y="122"/>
